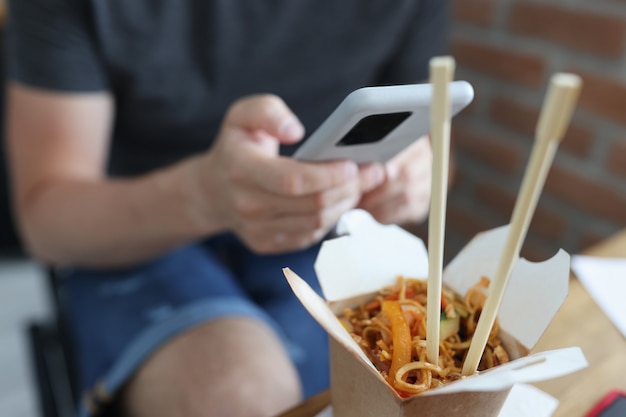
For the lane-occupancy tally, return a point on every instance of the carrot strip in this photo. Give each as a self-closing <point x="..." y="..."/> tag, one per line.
<point x="416" y="325"/>
<point x="401" y="354"/>
<point x="410" y="292"/>
<point x="372" y="305"/>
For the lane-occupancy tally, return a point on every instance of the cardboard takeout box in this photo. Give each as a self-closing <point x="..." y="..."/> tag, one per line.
<point x="369" y="256"/>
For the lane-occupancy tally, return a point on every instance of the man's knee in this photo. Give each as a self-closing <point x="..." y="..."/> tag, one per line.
<point x="233" y="366"/>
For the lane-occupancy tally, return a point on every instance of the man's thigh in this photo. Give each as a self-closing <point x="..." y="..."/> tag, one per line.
<point x="232" y="366"/>
<point x="119" y="318"/>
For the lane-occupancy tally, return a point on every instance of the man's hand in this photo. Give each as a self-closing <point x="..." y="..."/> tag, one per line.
<point x="404" y="197"/>
<point x="273" y="203"/>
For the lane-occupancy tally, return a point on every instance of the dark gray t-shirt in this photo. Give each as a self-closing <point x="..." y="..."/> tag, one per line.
<point x="174" y="66"/>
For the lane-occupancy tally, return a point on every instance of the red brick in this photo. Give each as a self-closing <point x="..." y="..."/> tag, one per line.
<point x="456" y="182"/>
<point x="504" y="63"/>
<point x="545" y="223"/>
<point x="495" y="198"/>
<point x="537" y="250"/>
<point x="604" y="96"/>
<point x="515" y="116"/>
<point x="578" y="139"/>
<point x="472" y="108"/>
<point x="588" y="31"/>
<point x="476" y="12"/>
<point x="419" y="230"/>
<point x="489" y="150"/>
<point x="462" y="221"/>
<point x="587" y="195"/>
<point x="616" y="161"/>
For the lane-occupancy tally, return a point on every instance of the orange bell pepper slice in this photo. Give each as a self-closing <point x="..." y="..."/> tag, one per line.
<point x="401" y="338"/>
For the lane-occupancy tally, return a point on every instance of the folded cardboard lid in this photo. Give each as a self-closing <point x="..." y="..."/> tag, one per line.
<point x="367" y="256"/>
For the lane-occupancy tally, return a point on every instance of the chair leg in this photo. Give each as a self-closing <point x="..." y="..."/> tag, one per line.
<point x="51" y="371"/>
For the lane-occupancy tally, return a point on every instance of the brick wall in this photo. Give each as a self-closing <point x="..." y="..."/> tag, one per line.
<point x="508" y="49"/>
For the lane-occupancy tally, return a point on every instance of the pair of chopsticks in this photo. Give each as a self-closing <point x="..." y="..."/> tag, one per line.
<point x="554" y="118"/>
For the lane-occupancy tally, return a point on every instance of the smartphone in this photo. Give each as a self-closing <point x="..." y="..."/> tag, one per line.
<point x="373" y="124"/>
<point x="611" y="405"/>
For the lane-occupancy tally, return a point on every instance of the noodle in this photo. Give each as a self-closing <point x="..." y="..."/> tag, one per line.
<point x="402" y="308"/>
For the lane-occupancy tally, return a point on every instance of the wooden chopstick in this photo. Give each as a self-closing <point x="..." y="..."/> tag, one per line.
<point x="553" y="121"/>
<point x="441" y="74"/>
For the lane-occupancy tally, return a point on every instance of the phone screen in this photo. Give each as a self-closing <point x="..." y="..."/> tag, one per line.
<point x="373" y="128"/>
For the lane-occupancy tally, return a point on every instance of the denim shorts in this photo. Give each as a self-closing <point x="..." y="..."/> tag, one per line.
<point x="117" y="318"/>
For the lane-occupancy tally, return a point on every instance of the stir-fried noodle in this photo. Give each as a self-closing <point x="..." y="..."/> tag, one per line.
<point x="391" y="329"/>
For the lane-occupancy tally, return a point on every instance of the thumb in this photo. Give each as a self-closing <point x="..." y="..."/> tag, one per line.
<point x="267" y="113"/>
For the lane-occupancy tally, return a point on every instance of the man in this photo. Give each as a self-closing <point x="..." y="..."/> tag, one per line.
<point x="149" y="144"/>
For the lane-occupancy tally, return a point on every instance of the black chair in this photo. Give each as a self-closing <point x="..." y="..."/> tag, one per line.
<point x="52" y="358"/>
<point x="49" y="342"/>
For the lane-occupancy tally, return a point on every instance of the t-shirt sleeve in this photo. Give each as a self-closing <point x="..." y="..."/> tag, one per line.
<point x="50" y="44"/>
<point x="427" y="36"/>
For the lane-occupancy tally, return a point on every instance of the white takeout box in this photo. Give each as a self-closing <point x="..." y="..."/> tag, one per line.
<point x="368" y="256"/>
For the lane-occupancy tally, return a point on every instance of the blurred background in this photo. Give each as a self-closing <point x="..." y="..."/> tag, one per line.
<point x="507" y="49"/>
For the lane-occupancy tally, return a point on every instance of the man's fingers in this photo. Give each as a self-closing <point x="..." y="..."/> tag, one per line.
<point x="294" y="232"/>
<point x="419" y="153"/>
<point x="396" y="205"/>
<point x="289" y="177"/>
<point x="371" y="176"/>
<point x="257" y="204"/>
<point x="268" y="113"/>
<point x="381" y="195"/>
<point x="391" y="212"/>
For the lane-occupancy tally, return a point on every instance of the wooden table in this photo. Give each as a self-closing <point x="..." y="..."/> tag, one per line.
<point x="579" y="322"/>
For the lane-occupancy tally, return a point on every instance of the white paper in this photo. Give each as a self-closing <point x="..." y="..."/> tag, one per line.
<point x="605" y="280"/>
<point x="523" y="401"/>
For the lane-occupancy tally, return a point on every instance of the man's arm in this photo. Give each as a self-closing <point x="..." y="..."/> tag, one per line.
<point x="67" y="210"/>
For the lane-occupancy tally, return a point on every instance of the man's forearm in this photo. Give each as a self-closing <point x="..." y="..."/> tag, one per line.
<point x="113" y="223"/>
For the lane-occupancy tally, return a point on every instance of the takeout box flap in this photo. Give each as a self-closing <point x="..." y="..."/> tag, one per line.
<point x="320" y="311"/>
<point x="535" y="290"/>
